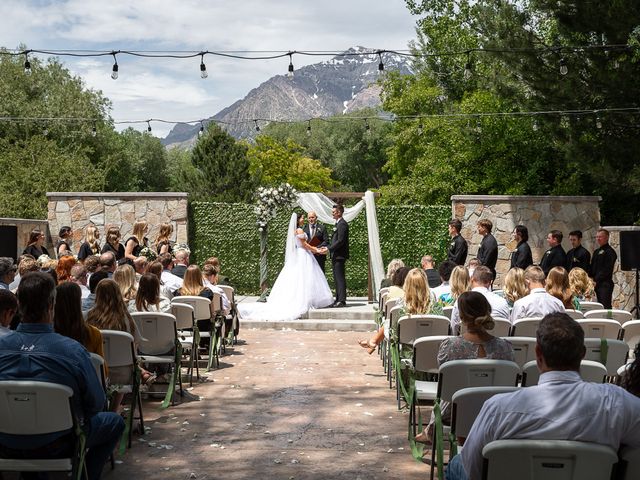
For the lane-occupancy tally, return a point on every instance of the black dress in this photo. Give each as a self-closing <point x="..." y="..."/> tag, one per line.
<point x="59" y="243"/>
<point x="119" y="252"/>
<point x="86" y="251"/>
<point x="34" y="251"/>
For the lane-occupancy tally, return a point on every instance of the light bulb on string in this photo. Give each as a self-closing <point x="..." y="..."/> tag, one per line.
<point x="27" y="64"/>
<point x="535" y="127"/>
<point x="149" y="126"/>
<point x="564" y="69"/>
<point x="290" y="70"/>
<point x="45" y="131"/>
<point x="380" y="64"/>
<point x="468" y="72"/>
<point x="94" y="131"/>
<point x="367" y="128"/>
<point x="203" y="67"/>
<point x="257" y="126"/>
<point x="201" y="132"/>
<point x="420" y="129"/>
<point x="114" y="69"/>
<point x="309" y="129"/>
<point x="598" y="122"/>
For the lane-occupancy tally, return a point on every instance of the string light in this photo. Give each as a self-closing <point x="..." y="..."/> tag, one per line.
<point x="203" y="67"/>
<point x="380" y="65"/>
<point x="257" y="126"/>
<point x="45" y="131"/>
<point x="149" y="126"/>
<point x="598" y="122"/>
<point x="367" y="128"/>
<point x="94" y="130"/>
<point x="114" y="69"/>
<point x="420" y="129"/>
<point x="290" y="71"/>
<point x="564" y="69"/>
<point x="309" y="128"/>
<point x="535" y="126"/>
<point x="201" y="132"/>
<point x="27" y="64"/>
<point x="468" y="72"/>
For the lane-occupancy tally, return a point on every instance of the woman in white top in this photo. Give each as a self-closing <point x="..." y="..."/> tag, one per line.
<point x="148" y="298"/>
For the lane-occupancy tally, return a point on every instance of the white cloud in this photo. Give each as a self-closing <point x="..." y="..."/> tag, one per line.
<point x="172" y="88"/>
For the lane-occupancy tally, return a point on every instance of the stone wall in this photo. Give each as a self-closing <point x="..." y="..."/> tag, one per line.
<point x="80" y="209"/>
<point x="540" y="214"/>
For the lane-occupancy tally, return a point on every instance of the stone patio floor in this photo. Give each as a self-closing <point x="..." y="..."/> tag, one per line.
<point x="284" y="404"/>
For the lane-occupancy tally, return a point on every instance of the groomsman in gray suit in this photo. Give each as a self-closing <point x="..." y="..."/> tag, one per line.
<point x="317" y="236"/>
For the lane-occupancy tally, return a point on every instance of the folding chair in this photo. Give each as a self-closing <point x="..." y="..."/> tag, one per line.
<point x="525" y="327"/>
<point x="160" y="346"/>
<point x="590" y="371"/>
<point x="575" y="314"/>
<point x="611" y="353"/>
<point x="611" y="314"/>
<point x="524" y="349"/>
<point x="202" y="313"/>
<point x="547" y="459"/>
<point x="630" y="333"/>
<point x="501" y="328"/>
<point x="222" y="322"/>
<point x="467" y="403"/>
<point x="588" y="306"/>
<point x="40" y="408"/>
<point x="119" y="351"/>
<point x="185" y="325"/>
<point x="629" y="466"/>
<point x="235" y="324"/>
<point x="600" y="328"/>
<point x="98" y="364"/>
<point x="446" y="311"/>
<point x="391" y="328"/>
<point x="458" y="374"/>
<point x="425" y="360"/>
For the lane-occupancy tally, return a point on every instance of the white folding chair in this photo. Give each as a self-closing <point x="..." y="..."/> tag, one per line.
<point x="202" y="313"/>
<point x="425" y="360"/>
<point x="629" y="463"/>
<point x="590" y="371"/>
<point x="185" y="324"/>
<point x="119" y="351"/>
<point x="40" y="408"/>
<point x="611" y="314"/>
<point x="458" y="374"/>
<point x="467" y="403"/>
<point x="98" y="364"/>
<point x="235" y="324"/>
<point x="524" y="349"/>
<point x="600" y="328"/>
<point x="390" y="328"/>
<point x="575" y="314"/>
<point x="631" y="335"/>
<point x="588" y="306"/>
<point x="547" y="459"/>
<point x="612" y="357"/>
<point x="525" y="327"/>
<point x="382" y="296"/>
<point x="446" y="311"/>
<point x="222" y="323"/>
<point x="160" y="346"/>
<point x="502" y="327"/>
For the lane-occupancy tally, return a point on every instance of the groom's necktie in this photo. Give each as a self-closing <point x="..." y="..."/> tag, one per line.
<point x="312" y="230"/>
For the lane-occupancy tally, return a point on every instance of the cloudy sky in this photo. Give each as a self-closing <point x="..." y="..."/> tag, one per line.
<point x="173" y="89"/>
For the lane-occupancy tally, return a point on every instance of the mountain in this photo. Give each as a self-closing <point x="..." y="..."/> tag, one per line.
<point x="332" y="87"/>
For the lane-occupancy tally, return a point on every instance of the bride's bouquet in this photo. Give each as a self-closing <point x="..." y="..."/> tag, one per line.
<point x="269" y="199"/>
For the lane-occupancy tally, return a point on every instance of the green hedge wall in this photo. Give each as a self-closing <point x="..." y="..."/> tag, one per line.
<point x="229" y="232"/>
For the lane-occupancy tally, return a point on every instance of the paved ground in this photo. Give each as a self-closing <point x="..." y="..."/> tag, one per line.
<point x="284" y="404"/>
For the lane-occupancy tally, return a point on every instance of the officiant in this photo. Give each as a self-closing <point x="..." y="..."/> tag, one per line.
<point x="317" y="235"/>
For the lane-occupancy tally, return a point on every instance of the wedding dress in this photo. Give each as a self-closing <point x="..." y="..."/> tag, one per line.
<point x="300" y="286"/>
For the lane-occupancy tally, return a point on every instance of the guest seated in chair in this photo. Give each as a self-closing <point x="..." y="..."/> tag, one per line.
<point x="54" y="358"/>
<point x="561" y="407"/>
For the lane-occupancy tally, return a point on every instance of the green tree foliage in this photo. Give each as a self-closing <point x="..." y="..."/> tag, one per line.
<point x="354" y="154"/>
<point x="219" y="169"/>
<point x="591" y="154"/>
<point x="273" y="163"/>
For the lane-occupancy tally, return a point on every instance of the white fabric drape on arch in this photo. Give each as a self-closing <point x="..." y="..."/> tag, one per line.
<point x="323" y="205"/>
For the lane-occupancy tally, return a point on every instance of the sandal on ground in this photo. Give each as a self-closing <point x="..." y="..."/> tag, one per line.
<point x="423" y="438"/>
<point x="369" y="346"/>
<point x="148" y="378"/>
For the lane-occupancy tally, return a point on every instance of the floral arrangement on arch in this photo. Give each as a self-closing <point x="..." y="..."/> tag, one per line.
<point x="268" y="199"/>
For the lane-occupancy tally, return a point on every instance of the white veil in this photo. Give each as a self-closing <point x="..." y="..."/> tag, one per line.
<point x="290" y="246"/>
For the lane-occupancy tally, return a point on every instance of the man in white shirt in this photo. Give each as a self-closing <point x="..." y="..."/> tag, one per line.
<point x="78" y="275"/>
<point x="170" y="281"/>
<point x="538" y="303"/>
<point x="444" y="270"/>
<point x="561" y="407"/>
<point x="480" y="282"/>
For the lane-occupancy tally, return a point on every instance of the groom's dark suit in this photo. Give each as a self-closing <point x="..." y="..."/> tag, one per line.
<point x="319" y="233"/>
<point x="339" y="249"/>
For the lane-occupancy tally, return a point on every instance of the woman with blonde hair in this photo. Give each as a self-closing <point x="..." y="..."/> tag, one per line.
<point x="557" y="285"/>
<point x="460" y="282"/>
<point x="417" y="301"/>
<point x="193" y="285"/>
<point x="113" y="244"/>
<point x="163" y="244"/>
<point x="392" y="268"/>
<point x="581" y="285"/>
<point x="90" y="246"/>
<point x="137" y="241"/>
<point x="514" y="286"/>
<point x="125" y="277"/>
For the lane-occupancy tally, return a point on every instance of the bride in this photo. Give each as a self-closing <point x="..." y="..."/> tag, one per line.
<point x="300" y="286"/>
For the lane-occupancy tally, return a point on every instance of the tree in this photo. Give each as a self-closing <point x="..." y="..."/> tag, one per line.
<point x="144" y="159"/>
<point x="219" y="169"/>
<point x="273" y="163"/>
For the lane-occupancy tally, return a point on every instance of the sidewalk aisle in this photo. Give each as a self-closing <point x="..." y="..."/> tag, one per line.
<point x="284" y="404"/>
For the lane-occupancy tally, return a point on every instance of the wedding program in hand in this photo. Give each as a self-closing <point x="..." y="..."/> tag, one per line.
<point x="301" y="284"/>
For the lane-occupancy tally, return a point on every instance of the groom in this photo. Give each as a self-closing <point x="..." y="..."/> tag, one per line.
<point x="339" y="249"/>
<point x="317" y="235"/>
